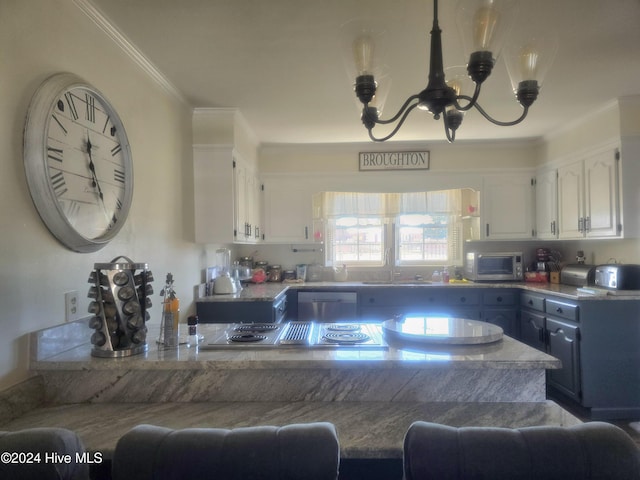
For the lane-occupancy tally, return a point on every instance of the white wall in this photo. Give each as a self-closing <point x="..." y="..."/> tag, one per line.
<point x="37" y="39"/>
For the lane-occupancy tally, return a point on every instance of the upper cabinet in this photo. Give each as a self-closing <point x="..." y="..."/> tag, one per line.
<point x="288" y="212"/>
<point x="226" y="197"/>
<point x="546" y="189"/>
<point x="507" y="207"/>
<point x="227" y="189"/>
<point x="589" y="196"/>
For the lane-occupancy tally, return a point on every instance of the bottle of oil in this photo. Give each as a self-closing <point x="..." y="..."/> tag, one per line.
<point x="169" y="328"/>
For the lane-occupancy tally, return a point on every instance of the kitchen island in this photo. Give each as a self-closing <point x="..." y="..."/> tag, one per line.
<point x="372" y="396"/>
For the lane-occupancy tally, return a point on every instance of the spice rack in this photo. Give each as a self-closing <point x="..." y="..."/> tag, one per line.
<point x="120" y="294"/>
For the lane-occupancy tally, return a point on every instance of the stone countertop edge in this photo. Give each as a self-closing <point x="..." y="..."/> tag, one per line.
<point x="272" y="291"/>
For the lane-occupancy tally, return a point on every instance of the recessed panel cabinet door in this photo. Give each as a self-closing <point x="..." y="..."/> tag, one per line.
<point x="563" y="343"/>
<point x="570" y="200"/>
<point x="287" y="213"/>
<point x="601" y="195"/>
<point x="507" y="207"/>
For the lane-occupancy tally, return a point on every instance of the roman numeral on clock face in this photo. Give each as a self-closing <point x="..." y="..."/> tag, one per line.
<point x="58" y="183"/>
<point x="54" y="154"/>
<point x="57" y="120"/>
<point x="116" y="150"/>
<point x="91" y="108"/>
<point x="118" y="176"/>
<point x="72" y="107"/>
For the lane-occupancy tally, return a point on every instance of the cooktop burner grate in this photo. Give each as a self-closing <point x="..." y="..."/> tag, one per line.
<point x="296" y="334"/>
<point x="247" y="338"/>
<point x="256" y="327"/>
<point x="346" y="337"/>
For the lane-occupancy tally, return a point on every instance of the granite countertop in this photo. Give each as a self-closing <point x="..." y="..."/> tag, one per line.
<point x="66" y="347"/>
<point x="272" y="291"/>
<point x="365" y="429"/>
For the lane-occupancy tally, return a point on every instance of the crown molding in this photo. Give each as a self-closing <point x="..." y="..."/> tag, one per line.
<point x="129" y="49"/>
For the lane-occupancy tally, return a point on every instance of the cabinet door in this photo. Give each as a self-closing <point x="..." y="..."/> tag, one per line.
<point x="547" y="205"/>
<point x="570" y="201"/>
<point x="507" y="207"/>
<point x="532" y="326"/>
<point x="601" y="195"/>
<point x="287" y="213"/>
<point x="505" y="318"/>
<point x="563" y="343"/>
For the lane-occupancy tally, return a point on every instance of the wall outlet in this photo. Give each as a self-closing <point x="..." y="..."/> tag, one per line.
<point x="71" y="310"/>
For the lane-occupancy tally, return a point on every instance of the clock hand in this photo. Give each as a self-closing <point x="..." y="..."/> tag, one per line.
<point x="92" y="168"/>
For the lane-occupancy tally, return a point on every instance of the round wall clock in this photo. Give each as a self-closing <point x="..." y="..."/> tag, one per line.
<point x="77" y="162"/>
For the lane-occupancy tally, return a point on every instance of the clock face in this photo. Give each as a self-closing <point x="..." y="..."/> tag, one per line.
<point x="78" y="163"/>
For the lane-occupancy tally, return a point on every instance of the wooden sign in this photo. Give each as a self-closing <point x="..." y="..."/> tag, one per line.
<point x="372" y="161"/>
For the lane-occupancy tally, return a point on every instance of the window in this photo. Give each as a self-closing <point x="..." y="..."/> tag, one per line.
<point x="356" y="240"/>
<point x="358" y="228"/>
<point x="422" y="239"/>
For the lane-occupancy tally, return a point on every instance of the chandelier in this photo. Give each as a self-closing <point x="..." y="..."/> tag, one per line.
<point x="484" y="25"/>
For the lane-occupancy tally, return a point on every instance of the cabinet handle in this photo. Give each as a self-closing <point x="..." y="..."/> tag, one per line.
<point x="581" y="224"/>
<point x="487" y="230"/>
<point x="463" y="299"/>
<point x="530" y="302"/>
<point x="499" y="299"/>
<point x="553" y="227"/>
<point x="587" y="224"/>
<point x="306" y="233"/>
<point x="558" y="310"/>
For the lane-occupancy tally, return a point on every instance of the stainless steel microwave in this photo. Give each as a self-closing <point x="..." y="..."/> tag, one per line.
<point x="494" y="266"/>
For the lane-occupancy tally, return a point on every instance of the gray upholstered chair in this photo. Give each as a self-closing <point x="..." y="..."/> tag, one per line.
<point x="593" y="450"/>
<point x="34" y="444"/>
<point x="299" y="451"/>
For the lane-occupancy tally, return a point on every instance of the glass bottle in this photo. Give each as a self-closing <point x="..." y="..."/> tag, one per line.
<point x="169" y="328"/>
<point x="192" y="339"/>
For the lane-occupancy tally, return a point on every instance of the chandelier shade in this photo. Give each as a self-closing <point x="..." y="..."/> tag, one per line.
<point x="484" y="26"/>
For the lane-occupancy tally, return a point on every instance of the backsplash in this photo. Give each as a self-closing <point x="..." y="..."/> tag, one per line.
<point x="596" y="252"/>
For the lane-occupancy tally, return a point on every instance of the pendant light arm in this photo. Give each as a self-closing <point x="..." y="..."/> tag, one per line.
<point x="472" y="100"/>
<point x="400" y="112"/>
<point x="525" y="111"/>
<point x="397" y="127"/>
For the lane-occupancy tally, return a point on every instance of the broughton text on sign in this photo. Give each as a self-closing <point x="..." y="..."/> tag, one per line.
<point x="394" y="160"/>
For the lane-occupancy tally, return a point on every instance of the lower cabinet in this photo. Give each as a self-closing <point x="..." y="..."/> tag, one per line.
<point x="472" y="303"/>
<point x="563" y="342"/>
<point x="500" y="307"/>
<point x="268" y="311"/>
<point x="552" y="326"/>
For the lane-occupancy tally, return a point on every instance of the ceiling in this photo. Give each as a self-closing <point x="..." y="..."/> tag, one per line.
<point x="282" y="62"/>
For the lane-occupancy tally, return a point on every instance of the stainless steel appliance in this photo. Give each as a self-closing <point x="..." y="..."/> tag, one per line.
<point x="494" y="266"/>
<point x="327" y="306"/>
<point x="618" y="276"/>
<point x="297" y="334"/>
<point x="577" y="274"/>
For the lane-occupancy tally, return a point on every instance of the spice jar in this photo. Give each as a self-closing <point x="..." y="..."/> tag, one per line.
<point x="274" y="273"/>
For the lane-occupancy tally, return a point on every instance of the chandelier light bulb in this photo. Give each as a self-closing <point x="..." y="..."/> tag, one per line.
<point x="529" y="58"/>
<point x="485" y="23"/>
<point x="363" y="50"/>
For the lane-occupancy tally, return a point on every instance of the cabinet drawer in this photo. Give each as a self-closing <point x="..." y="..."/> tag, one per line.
<point x="532" y="302"/>
<point x="499" y="298"/>
<point x="563" y="310"/>
<point x="463" y="298"/>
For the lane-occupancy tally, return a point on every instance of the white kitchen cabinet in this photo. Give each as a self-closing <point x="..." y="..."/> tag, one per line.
<point x="225" y="201"/>
<point x="546" y="189"/>
<point x="287" y="206"/>
<point x="589" y="197"/>
<point x="507" y="207"/>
